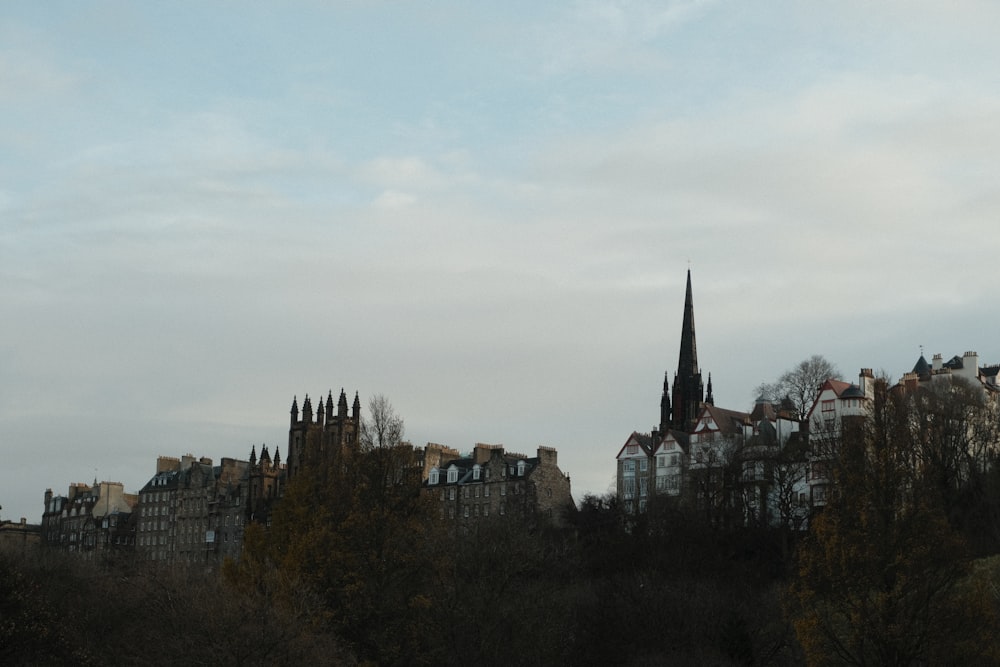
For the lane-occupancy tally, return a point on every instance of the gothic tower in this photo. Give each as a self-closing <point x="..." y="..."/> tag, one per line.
<point x="332" y="433"/>
<point x="689" y="390"/>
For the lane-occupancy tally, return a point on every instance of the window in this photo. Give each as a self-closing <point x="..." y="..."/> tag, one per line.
<point x="520" y="468"/>
<point x="433" y="477"/>
<point x="486" y="492"/>
<point x="819" y="494"/>
<point x="628" y="488"/>
<point x="451" y="494"/>
<point x="632" y="450"/>
<point x="643" y="465"/>
<point x="628" y="467"/>
<point x="642" y="486"/>
<point x="475" y="471"/>
<point x="452" y="475"/>
<point x="661" y="461"/>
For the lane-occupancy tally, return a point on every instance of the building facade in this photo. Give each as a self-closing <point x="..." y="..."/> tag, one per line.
<point x="727" y="463"/>
<point x="192" y="512"/>
<point x="90" y="519"/>
<point x="493" y="482"/>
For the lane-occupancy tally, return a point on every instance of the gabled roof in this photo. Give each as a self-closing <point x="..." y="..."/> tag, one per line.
<point x="644" y="440"/>
<point x="838" y="387"/>
<point x="678" y="436"/>
<point x="955" y="363"/>
<point x="727" y="421"/>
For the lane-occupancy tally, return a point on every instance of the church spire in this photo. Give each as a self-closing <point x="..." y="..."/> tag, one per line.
<point x="689" y="391"/>
<point x="687" y="362"/>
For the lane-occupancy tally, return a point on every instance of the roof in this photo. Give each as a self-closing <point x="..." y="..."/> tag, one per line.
<point x="727" y="421"/>
<point x="466" y="466"/>
<point x="955" y="363"/>
<point x="922" y="368"/>
<point x="854" y="391"/>
<point x="644" y="440"/>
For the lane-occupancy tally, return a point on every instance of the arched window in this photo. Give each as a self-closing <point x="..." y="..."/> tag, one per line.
<point x="452" y="475"/>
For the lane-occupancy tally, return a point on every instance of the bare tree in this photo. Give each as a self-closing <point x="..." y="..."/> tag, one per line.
<point x="383" y="429"/>
<point x="801" y="383"/>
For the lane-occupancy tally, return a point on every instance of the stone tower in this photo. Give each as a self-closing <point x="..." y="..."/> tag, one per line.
<point x="327" y="432"/>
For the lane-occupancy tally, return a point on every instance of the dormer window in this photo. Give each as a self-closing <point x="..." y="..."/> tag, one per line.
<point x="476" y="470"/>
<point x="520" y="468"/>
<point x="452" y="475"/>
<point x="433" y="477"/>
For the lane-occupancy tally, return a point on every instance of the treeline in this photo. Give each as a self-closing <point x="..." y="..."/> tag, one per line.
<point x="358" y="568"/>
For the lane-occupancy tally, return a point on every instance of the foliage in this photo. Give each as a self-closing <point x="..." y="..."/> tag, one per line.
<point x="57" y="609"/>
<point x="355" y="530"/>
<point x="876" y="581"/>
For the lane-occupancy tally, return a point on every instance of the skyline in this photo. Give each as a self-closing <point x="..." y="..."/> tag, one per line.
<point x="485" y="213"/>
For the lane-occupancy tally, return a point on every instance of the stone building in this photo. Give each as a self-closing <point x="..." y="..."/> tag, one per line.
<point x="265" y="484"/>
<point x="324" y="433"/>
<point x="493" y="482"/>
<point x="720" y="461"/>
<point x="89" y="519"/>
<point x="192" y="512"/>
<point x="20" y="535"/>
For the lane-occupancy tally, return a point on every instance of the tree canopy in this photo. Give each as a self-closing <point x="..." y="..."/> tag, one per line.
<point x="800" y="383"/>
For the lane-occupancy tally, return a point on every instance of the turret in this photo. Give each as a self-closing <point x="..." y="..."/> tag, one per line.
<point x="329" y="406"/>
<point x="307" y="411"/>
<point x="709" y="399"/>
<point x="253" y="455"/>
<point x="356" y="410"/>
<point x="295" y="410"/>
<point x="665" y="405"/>
<point x="277" y="457"/>
<point x="342" y="405"/>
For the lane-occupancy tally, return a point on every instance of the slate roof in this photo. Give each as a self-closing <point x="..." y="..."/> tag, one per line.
<point x="922" y="368"/>
<point x="728" y="421"/>
<point x="854" y="391"/>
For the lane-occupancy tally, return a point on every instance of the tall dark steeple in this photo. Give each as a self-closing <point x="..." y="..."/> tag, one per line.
<point x="665" y="416"/>
<point x="689" y="391"/>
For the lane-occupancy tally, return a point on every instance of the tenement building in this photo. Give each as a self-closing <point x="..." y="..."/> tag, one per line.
<point x="191" y="511"/>
<point x="89" y="519"/>
<point x="495" y="483"/>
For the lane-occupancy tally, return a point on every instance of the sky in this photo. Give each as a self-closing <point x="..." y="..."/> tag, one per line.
<point x="483" y="211"/>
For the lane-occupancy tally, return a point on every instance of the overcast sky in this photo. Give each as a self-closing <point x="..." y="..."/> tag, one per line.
<point x="484" y="211"/>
